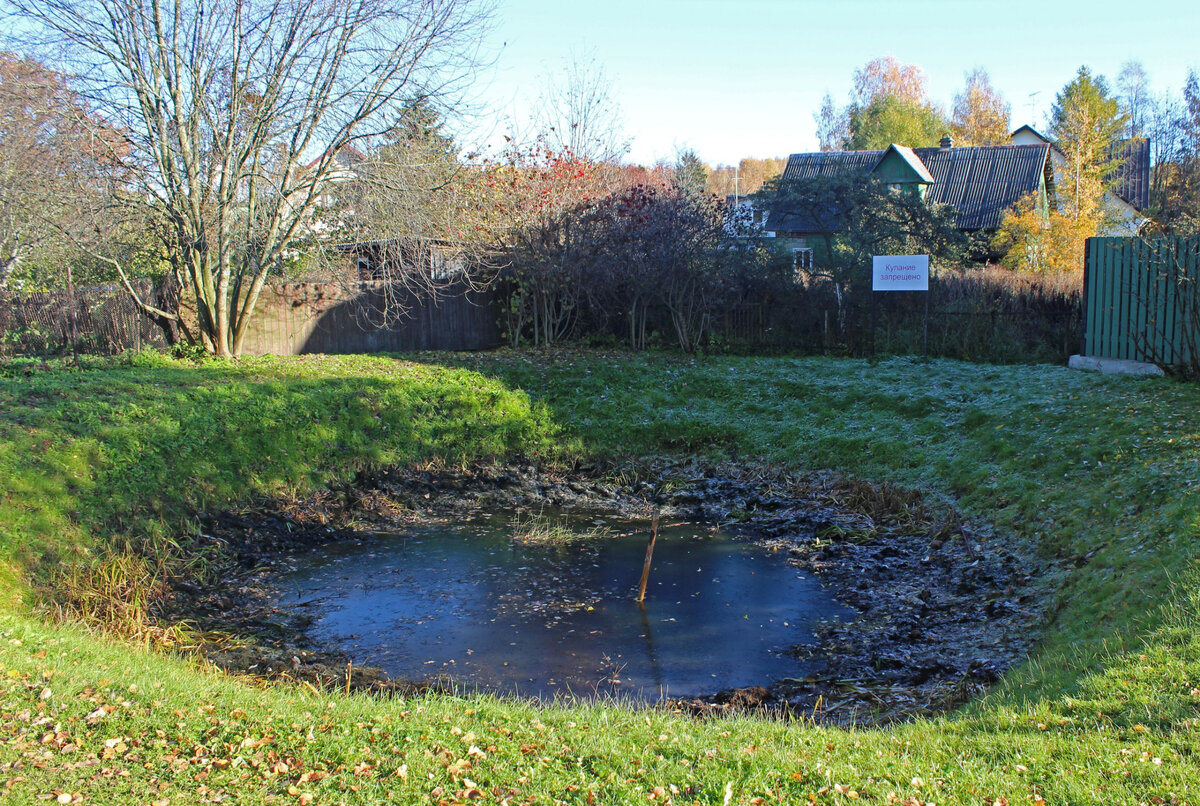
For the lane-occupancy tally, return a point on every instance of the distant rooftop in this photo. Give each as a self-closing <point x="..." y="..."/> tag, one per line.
<point x="981" y="183"/>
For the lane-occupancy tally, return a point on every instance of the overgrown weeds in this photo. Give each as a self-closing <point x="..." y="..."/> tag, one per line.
<point x="883" y="504"/>
<point x="119" y="593"/>
<point x="540" y="529"/>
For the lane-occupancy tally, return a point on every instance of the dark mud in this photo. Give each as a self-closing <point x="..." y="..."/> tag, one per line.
<point x="946" y="606"/>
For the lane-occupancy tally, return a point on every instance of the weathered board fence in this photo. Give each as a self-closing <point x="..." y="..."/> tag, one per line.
<point x="1141" y="300"/>
<point x="368" y="317"/>
<point x="99" y="320"/>
<point x="291" y="318"/>
<point x="975" y="315"/>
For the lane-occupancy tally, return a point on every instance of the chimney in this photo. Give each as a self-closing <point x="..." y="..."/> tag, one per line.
<point x="946" y="142"/>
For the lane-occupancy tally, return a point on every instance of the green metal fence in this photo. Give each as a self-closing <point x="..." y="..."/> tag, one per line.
<point x="1141" y="300"/>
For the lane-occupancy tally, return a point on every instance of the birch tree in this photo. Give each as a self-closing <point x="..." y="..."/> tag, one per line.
<point x="1085" y="122"/>
<point x="578" y="112"/>
<point x="890" y="104"/>
<point x="981" y="115"/>
<point x="233" y="113"/>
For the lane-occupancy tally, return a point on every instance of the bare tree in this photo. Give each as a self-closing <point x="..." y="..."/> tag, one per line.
<point x="833" y="125"/>
<point x="234" y="114"/>
<point x="52" y="155"/>
<point x="400" y="215"/>
<point x="1133" y="88"/>
<point x="578" y="113"/>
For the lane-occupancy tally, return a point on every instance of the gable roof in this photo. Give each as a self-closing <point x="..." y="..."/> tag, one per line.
<point x="1029" y="130"/>
<point x="347" y="156"/>
<point x="982" y="183"/>
<point x="910" y="159"/>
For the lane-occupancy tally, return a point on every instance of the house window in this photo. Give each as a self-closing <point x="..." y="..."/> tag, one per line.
<point x="802" y="257"/>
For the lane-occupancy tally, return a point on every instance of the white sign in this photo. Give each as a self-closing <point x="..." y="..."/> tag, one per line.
<point x="900" y="273"/>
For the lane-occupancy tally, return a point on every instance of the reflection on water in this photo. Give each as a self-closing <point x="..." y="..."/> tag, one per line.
<point x="466" y="602"/>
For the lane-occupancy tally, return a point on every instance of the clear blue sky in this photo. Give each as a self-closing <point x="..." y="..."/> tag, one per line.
<point x="743" y="79"/>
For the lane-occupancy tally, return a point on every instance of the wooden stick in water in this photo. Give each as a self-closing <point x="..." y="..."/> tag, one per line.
<point x="641" y="597"/>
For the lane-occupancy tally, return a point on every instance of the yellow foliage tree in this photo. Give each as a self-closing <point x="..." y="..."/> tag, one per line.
<point x="1039" y="243"/>
<point x="981" y="115"/>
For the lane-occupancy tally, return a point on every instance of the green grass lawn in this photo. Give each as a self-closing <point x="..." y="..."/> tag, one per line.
<point x="1099" y="475"/>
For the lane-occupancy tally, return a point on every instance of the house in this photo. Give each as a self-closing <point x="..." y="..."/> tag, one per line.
<point x="745" y="218"/>
<point x="1127" y="200"/>
<point x="981" y="183"/>
<point x="327" y="216"/>
<point x="427" y="260"/>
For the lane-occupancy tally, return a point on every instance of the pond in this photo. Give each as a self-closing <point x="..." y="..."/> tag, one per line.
<point x="469" y="604"/>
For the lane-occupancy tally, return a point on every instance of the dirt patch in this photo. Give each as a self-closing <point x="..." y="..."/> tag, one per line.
<point x="945" y="606"/>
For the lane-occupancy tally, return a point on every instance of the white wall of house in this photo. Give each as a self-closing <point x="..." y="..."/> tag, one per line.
<point x="743" y="219"/>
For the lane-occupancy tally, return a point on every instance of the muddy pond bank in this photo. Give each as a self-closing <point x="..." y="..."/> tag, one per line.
<point x="944" y="607"/>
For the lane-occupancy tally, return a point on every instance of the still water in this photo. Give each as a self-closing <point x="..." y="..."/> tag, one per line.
<point x="468" y="604"/>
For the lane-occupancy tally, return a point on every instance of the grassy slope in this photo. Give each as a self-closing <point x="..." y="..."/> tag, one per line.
<point x="1099" y="473"/>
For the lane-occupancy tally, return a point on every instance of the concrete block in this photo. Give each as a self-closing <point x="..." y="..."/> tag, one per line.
<point x="1111" y="366"/>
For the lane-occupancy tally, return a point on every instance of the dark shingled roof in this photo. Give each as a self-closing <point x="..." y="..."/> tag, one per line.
<point x="829" y="163"/>
<point x="981" y="182"/>
<point x="1132" y="180"/>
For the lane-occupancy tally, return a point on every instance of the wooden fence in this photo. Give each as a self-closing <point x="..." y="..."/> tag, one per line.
<point x="291" y="319"/>
<point x="977" y="315"/>
<point x="368" y="317"/>
<point x="1141" y="301"/>
<point x="100" y="320"/>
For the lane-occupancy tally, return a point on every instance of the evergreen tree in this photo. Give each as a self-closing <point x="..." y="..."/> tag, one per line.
<point x="691" y="174"/>
<point x="420" y="126"/>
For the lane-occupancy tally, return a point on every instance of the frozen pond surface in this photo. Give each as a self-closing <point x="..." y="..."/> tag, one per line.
<point x="467" y="603"/>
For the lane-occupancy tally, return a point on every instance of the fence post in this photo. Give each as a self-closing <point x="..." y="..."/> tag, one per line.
<point x="1087" y="269"/>
<point x="74" y="305"/>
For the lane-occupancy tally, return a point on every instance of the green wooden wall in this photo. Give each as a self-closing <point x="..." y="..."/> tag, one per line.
<point x="1141" y="299"/>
